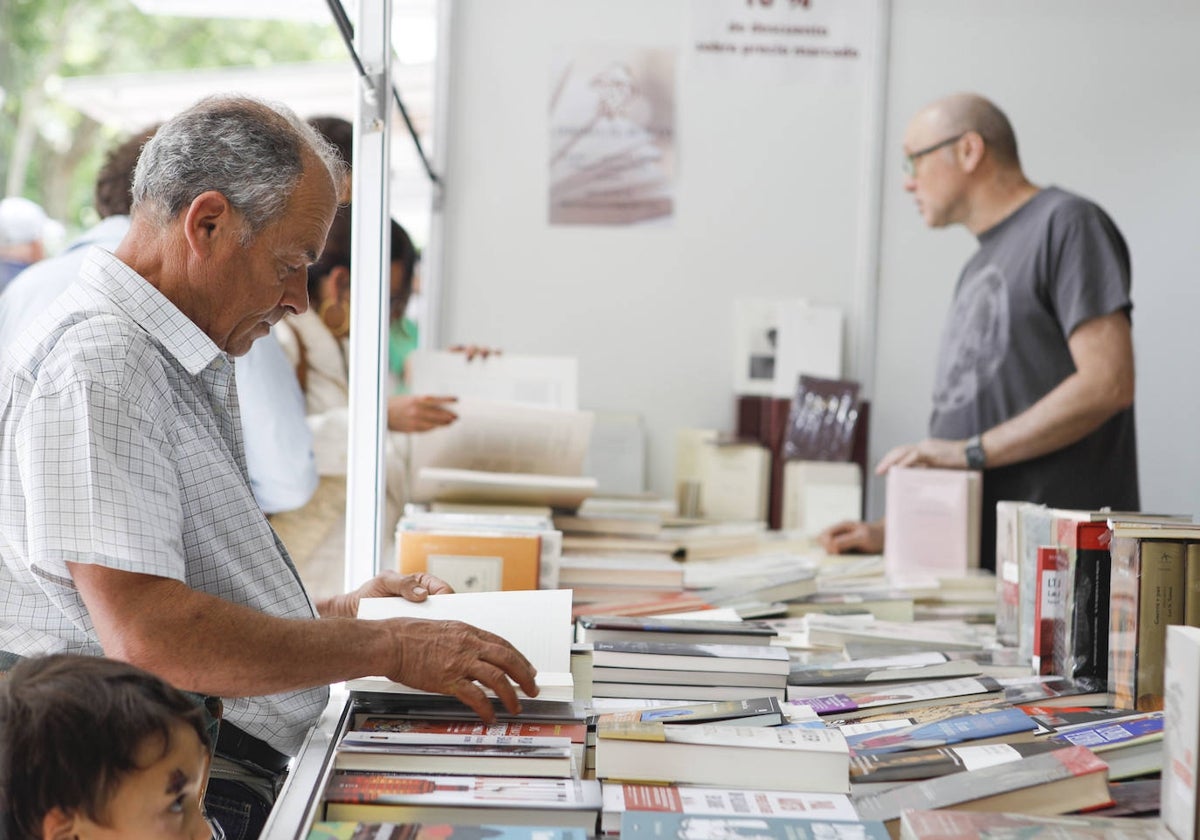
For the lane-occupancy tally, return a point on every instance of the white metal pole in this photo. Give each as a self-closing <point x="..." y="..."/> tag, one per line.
<point x="369" y="296"/>
<point x="433" y="261"/>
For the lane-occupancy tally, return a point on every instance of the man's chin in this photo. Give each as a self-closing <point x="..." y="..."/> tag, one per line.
<point x="242" y="344"/>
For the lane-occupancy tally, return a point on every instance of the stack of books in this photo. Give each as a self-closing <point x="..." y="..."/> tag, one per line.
<point x="480" y="551"/>
<point x="680" y="671"/>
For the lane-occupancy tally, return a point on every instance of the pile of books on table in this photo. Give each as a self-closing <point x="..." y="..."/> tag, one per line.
<point x="884" y="729"/>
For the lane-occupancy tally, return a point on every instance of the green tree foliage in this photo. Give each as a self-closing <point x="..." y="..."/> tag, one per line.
<point x="50" y="152"/>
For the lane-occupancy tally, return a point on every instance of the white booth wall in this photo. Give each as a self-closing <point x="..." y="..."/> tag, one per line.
<point x="770" y="194"/>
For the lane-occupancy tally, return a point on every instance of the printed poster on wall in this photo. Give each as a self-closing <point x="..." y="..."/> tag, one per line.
<point x="612" y="136"/>
<point x="783" y="40"/>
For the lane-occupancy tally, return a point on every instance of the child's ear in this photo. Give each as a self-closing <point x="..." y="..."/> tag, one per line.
<point x="58" y="825"/>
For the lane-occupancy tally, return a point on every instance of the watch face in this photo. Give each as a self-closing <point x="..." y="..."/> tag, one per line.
<point x="975" y="456"/>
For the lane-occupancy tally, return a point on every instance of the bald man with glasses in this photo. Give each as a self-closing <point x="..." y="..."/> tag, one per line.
<point x="1035" y="376"/>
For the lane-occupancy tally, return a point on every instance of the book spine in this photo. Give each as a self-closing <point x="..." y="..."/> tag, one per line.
<point x="1123" y="621"/>
<point x="1088" y="655"/>
<point x="1191" y="600"/>
<point x="1160" y="603"/>
<point x="1048" y="611"/>
<point x="1181" y="764"/>
<point x="1008" y="618"/>
<point x="1035" y="528"/>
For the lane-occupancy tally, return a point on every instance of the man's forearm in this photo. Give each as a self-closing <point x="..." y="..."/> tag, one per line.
<point x="202" y="643"/>
<point x="1070" y="412"/>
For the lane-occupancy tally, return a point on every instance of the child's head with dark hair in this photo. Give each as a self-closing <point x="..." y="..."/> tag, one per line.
<point x="95" y="748"/>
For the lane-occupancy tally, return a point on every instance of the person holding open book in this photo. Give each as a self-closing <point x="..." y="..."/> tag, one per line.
<point x="128" y="527"/>
<point x="1035" y="377"/>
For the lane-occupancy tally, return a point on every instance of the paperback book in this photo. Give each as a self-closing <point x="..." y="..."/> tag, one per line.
<point x="898" y="697"/>
<point x="595" y="628"/>
<point x="981" y="825"/>
<point x="463" y="800"/>
<point x="438" y="831"/>
<point x="758" y="711"/>
<point x="778" y="758"/>
<point x="1057" y="782"/>
<point x="642" y="825"/>
<point x="485" y="755"/>
<point x="872" y="768"/>
<point x="991" y="724"/>
<point x="676" y="656"/>
<point x="733" y="802"/>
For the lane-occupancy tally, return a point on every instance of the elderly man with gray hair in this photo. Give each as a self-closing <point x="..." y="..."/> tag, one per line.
<point x="127" y="524"/>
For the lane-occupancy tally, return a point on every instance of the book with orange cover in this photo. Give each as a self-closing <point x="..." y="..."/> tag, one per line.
<point x="473" y="562"/>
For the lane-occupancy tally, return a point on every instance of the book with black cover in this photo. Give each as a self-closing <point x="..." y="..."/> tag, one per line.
<point x="870" y="768"/>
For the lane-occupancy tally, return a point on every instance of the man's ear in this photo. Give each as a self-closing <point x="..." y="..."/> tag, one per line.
<point x="972" y="149"/>
<point x="208" y="220"/>
<point x="58" y="825"/>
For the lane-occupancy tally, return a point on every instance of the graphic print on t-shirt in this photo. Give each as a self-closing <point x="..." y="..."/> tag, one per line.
<point x="976" y="339"/>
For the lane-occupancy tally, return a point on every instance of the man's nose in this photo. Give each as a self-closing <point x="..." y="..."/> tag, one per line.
<point x="295" y="293"/>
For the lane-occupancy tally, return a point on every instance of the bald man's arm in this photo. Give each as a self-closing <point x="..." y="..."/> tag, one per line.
<point x="1101" y="386"/>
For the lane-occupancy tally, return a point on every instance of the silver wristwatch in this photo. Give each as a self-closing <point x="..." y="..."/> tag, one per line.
<point x="976" y="457"/>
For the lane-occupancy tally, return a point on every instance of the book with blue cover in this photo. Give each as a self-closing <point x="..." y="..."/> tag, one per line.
<point x="941" y="733"/>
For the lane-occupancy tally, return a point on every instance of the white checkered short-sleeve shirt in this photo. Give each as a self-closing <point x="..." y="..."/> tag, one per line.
<point x="120" y="445"/>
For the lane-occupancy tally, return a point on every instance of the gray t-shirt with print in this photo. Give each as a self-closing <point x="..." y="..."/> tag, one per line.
<point x="1054" y="263"/>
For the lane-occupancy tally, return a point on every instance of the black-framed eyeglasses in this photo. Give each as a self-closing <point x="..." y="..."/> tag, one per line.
<point x="910" y="160"/>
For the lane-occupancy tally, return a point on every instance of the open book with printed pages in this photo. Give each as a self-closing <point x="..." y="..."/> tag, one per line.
<point x="546" y="643"/>
<point x="519" y="437"/>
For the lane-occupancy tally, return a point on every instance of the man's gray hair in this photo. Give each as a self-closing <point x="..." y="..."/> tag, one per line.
<point x="252" y="152"/>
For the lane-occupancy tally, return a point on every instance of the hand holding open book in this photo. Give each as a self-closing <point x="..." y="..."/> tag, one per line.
<point x="498" y="653"/>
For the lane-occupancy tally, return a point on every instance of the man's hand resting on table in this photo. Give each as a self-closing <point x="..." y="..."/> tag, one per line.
<point x="844" y="537"/>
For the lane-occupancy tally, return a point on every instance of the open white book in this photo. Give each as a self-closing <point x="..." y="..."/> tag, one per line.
<point x="519" y="438"/>
<point x="545" y="640"/>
